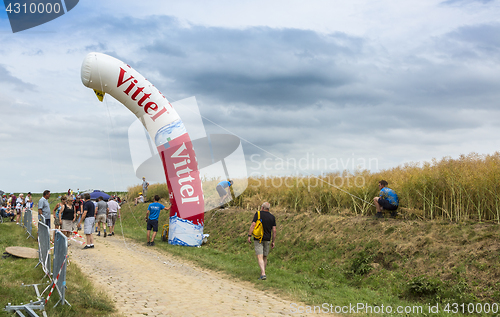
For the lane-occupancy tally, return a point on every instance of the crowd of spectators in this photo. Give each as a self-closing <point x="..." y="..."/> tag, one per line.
<point x="12" y="205"/>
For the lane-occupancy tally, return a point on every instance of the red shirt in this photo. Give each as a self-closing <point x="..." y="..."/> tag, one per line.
<point x="78" y="206"/>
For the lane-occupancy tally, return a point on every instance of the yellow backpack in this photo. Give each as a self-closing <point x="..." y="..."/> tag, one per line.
<point x="258" y="230"/>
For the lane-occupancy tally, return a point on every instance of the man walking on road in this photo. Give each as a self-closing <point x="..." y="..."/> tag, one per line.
<point x="152" y="218"/>
<point x="113" y="208"/>
<point x="262" y="248"/>
<point x="88" y="218"/>
<point x="101" y="215"/>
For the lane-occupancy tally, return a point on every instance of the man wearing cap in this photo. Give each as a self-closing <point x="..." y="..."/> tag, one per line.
<point x="139" y="199"/>
<point x="145" y="186"/>
<point x="222" y="192"/>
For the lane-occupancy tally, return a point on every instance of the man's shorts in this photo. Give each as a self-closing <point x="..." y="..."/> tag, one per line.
<point x="100" y="218"/>
<point x="88" y="225"/>
<point x="18" y="211"/>
<point x="261" y="248"/>
<point x="47" y="222"/>
<point x="111" y="219"/>
<point x="384" y="203"/>
<point x="221" y="191"/>
<point x="153" y="224"/>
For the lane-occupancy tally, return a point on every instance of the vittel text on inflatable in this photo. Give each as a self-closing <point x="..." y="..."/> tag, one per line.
<point x="181" y="168"/>
<point x="142" y="102"/>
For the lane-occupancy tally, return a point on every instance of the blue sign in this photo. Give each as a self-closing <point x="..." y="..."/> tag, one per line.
<point x="26" y="14"/>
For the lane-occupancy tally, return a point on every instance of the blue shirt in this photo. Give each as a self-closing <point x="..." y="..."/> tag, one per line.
<point x="389" y="195"/>
<point x="154" y="210"/>
<point x="224" y="184"/>
<point x="43" y="204"/>
<point x="90" y="208"/>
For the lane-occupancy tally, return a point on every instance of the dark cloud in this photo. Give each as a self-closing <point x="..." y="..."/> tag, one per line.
<point x="464" y="2"/>
<point x="457" y="70"/>
<point x="261" y="66"/>
<point x="478" y="40"/>
<point x="167" y="49"/>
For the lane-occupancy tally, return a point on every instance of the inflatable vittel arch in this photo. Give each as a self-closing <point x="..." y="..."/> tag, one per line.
<point x="108" y="75"/>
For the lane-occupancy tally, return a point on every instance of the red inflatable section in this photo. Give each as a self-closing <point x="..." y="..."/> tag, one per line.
<point x="183" y="179"/>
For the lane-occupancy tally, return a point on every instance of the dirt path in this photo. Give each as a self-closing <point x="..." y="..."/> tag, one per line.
<point x="144" y="282"/>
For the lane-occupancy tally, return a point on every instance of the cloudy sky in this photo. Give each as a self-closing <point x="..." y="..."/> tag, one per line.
<point x="355" y="84"/>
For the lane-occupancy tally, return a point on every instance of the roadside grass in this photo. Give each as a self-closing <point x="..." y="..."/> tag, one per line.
<point x="85" y="300"/>
<point x="349" y="259"/>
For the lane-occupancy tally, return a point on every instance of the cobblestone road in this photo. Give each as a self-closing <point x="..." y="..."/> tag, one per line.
<point x="144" y="282"/>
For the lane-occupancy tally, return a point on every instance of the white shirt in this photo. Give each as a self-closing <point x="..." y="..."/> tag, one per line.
<point x="113" y="206"/>
<point x="19" y="203"/>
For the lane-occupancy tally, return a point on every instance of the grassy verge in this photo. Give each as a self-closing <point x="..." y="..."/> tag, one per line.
<point x="348" y="259"/>
<point x="84" y="299"/>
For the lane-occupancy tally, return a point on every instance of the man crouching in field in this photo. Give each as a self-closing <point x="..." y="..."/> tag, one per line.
<point x="262" y="248"/>
<point x="387" y="200"/>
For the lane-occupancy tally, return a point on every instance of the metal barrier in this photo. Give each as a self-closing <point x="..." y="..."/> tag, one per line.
<point x="60" y="263"/>
<point x="28" y="222"/>
<point x="28" y="308"/>
<point x="31" y="307"/>
<point x="44" y="246"/>
<point x="41" y="219"/>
